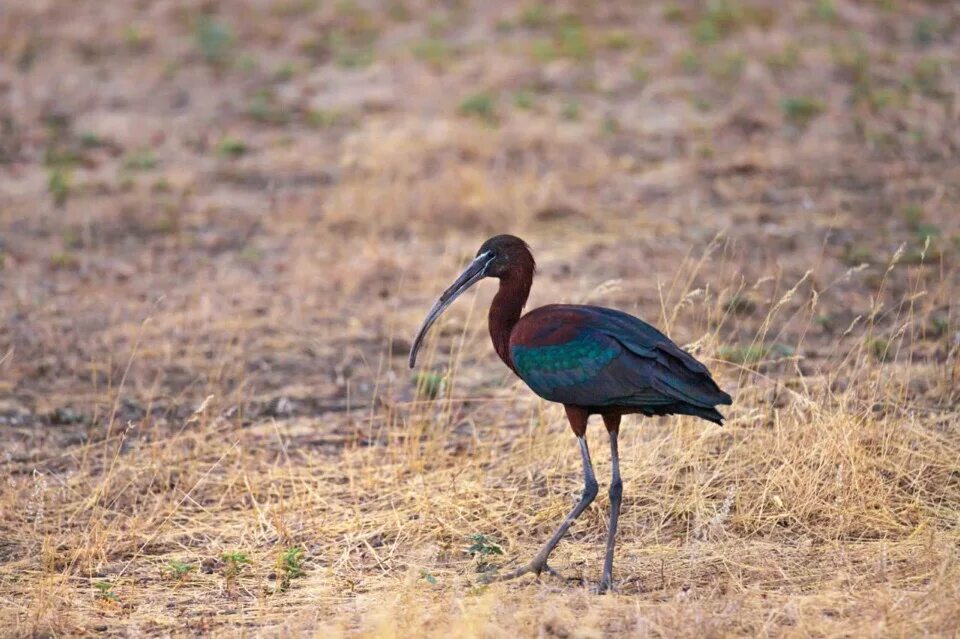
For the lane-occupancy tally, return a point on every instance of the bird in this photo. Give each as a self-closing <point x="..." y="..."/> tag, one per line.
<point x="592" y="360"/>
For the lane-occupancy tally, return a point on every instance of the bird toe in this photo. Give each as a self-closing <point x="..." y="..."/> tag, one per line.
<point x="605" y="586"/>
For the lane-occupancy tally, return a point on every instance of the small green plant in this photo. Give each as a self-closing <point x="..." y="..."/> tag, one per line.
<point x="231" y="148"/>
<point x="105" y="591"/>
<point x="289" y="566"/>
<point x="437" y="24"/>
<point x="925" y="31"/>
<point x="135" y="40"/>
<point x="573" y="42"/>
<point x="215" y="40"/>
<point x="142" y="160"/>
<point x="263" y="107"/>
<point x="61" y="155"/>
<point x="179" y="570"/>
<point x="570" y="110"/>
<point x="702" y="104"/>
<point x="399" y="12"/>
<point x="427" y="577"/>
<point x="618" y="40"/>
<point x="480" y="105"/>
<point x="727" y="67"/>
<point x="609" y="125"/>
<point x="483" y="546"/>
<point x="639" y="73"/>
<point x="285" y="72"/>
<point x="294" y="8"/>
<point x="523" y="100"/>
<point x="355" y="57"/>
<point x="740" y="305"/>
<point x="689" y="61"/>
<point x="786" y="60"/>
<point x="233" y="564"/>
<point x="706" y="32"/>
<point x="535" y="16"/>
<point x="938" y="325"/>
<point x="749" y="354"/>
<point x="58" y="183"/>
<point x="247" y="63"/>
<point x="433" y="52"/>
<point x="90" y="140"/>
<point x="927" y="75"/>
<point x="880" y="349"/>
<point x="852" y="61"/>
<point x="429" y="384"/>
<point x="543" y="50"/>
<point x="877" y="99"/>
<point x="291" y="561"/>
<point x="857" y="254"/>
<point x="250" y="253"/>
<point x="673" y="12"/>
<point x="743" y="355"/>
<point x="800" y="110"/>
<point x="351" y="48"/>
<point x="913" y="216"/>
<point x="323" y="118"/>
<point x="71" y="239"/>
<point x="825" y="10"/>
<point x="720" y="18"/>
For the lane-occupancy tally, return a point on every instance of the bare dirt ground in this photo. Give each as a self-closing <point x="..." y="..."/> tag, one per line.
<point x="221" y="223"/>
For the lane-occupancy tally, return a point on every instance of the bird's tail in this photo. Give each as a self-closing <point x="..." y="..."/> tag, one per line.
<point x="709" y="414"/>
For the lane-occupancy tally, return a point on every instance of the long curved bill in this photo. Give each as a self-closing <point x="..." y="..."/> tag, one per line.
<point x="474" y="272"/>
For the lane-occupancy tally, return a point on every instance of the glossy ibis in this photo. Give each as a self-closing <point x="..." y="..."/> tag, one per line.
<point x="592" y="360"/>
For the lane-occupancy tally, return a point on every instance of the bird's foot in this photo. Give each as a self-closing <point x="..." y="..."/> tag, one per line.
<point x="533" y="567"/>
<point x="605" y="586"/>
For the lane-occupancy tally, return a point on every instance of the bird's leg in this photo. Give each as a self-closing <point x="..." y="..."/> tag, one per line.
<point x="616" y="493"/>
<point x="539" y="563"/>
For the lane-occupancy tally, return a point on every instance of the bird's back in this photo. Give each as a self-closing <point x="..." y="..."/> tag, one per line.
<point x="604" y="360"/>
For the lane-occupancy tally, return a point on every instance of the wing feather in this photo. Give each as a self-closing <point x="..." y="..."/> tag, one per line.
<point x="614" y="359"/>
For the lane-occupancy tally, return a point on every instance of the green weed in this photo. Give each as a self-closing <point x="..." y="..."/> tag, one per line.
<point x="429" y="385"/>
<point x="215" y="40"/>
<point x="433" y="52"/>
<point x="289" y="566"/>
<point x="480" y="105"/>
<point x="800" y="109"/>
<point x="142" y="160"/>
<point x="483" y="546"/>
<point x="179" y="570"/>
<point x="880" y="349"/>
<point x="523" y="100"/>
<point x="231" y="148"/>
<point x="570" y="110"/>
<point x="105" y="591"/>
<point x="58" y="183"/>
<point x="233" y="564"/>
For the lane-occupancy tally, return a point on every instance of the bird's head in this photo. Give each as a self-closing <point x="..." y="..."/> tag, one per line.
<point x="502" y="257"/>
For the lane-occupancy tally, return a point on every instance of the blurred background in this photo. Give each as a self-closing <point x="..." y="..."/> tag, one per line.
<point x="228" y="219"/>
<point x="280" y="184"/>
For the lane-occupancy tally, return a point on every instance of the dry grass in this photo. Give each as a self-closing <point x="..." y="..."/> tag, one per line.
<point x="221" y="225"/>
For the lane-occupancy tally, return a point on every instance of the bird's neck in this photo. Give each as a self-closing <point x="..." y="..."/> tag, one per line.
<point x="505" y="311"/>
